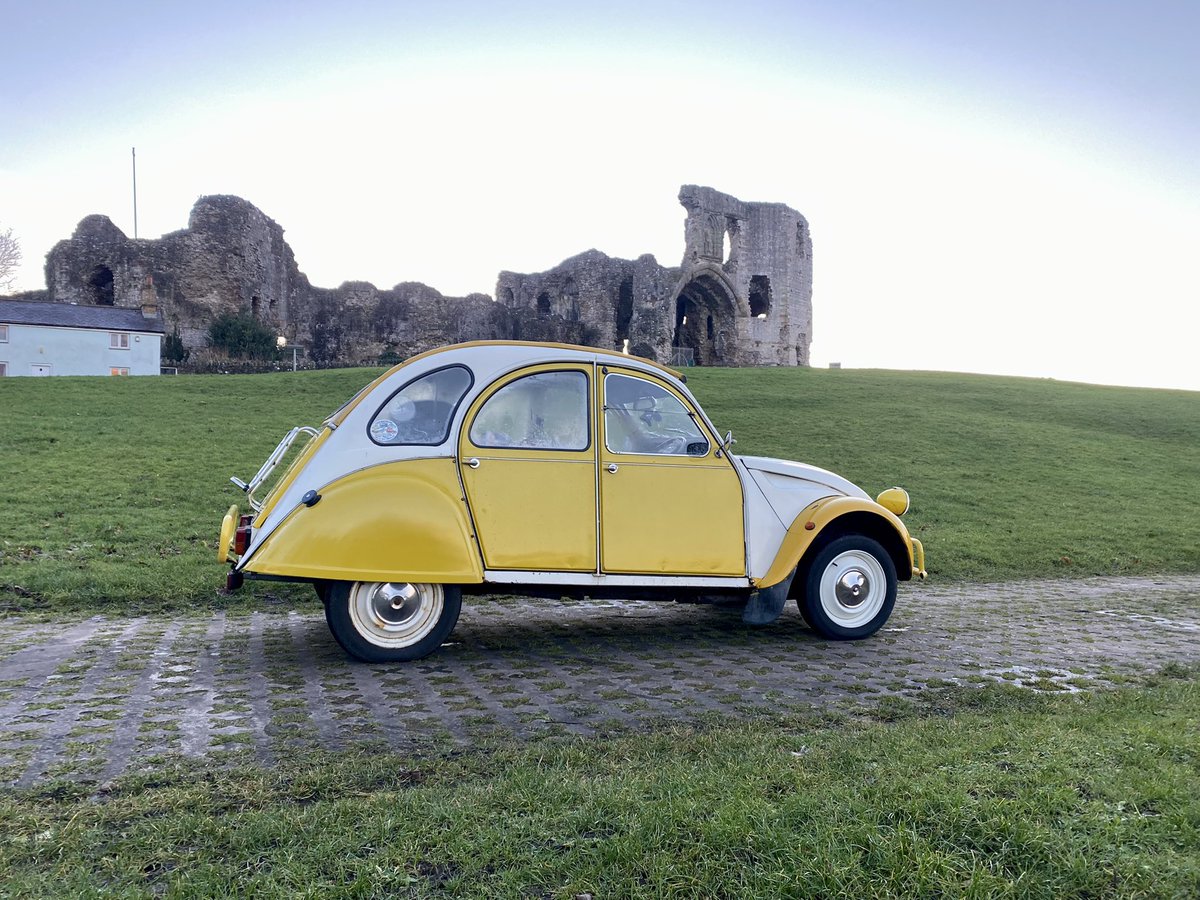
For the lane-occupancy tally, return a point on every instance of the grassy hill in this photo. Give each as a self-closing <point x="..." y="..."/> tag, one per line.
<point x="114" y="488"/>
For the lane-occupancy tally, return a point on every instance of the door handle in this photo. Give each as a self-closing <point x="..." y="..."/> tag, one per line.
<point x="612" y="468"/>
<point x="473" y="463"/>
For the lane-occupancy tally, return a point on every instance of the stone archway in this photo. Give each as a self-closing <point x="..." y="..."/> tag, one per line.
<point x="704" y="312"/>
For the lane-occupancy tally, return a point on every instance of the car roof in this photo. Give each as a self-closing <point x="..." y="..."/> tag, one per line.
<point x="489" y="358"/>
<point x="479" y="350"/>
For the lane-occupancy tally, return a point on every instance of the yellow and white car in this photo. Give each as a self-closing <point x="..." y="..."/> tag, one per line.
<point x="553" y="470"/>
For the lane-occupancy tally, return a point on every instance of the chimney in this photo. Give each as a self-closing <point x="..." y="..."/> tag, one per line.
<point x="149" y="298"/>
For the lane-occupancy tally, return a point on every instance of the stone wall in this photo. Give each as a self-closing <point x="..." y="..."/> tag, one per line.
<point x="742" y="294"/>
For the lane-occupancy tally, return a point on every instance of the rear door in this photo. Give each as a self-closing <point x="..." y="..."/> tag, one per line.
<point x="528" y="460"/>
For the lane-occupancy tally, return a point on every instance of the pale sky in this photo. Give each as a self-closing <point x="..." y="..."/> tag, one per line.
<point x="1008" y="188"/>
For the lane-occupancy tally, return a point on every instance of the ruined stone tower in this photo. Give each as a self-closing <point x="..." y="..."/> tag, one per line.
<point x="745" y="296"/>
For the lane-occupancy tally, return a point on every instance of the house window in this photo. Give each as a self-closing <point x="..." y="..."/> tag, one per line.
<point x="119" y="370"/>
<point x="118" y="340"/>
<point x="3" y="334"/>
<point x="3" y="369"/>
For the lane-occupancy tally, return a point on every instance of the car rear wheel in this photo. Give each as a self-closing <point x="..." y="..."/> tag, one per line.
<point x="850" y="588"/>
<point x="391" y="621"/>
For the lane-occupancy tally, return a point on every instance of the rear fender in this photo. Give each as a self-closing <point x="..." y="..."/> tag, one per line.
<point x="401" y="521"/>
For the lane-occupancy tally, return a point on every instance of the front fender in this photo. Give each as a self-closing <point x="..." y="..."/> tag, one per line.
<point x="841" y="515"/>
<point x="401" y="521"/>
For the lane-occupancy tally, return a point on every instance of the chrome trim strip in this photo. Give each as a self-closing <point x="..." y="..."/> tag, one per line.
<point x="508" y="576"/>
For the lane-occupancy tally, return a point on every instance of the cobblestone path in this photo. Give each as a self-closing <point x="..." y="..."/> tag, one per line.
<point x="93" y="699"/>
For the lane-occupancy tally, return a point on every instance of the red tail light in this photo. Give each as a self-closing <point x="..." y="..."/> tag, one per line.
<point x="241" y="537"/>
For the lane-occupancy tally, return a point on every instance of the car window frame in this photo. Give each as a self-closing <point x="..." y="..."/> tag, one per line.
<point x="496" y="389"/>
<point x="695" y="417"/>
<point x="449" y="419"/>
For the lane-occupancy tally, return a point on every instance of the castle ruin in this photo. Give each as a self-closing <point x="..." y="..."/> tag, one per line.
<point x="742" y="295"/>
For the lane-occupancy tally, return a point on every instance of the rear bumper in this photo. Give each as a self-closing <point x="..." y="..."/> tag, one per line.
<point x="229" y="525"/>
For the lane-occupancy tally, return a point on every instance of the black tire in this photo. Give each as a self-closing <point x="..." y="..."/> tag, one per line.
<point x="849" y="589"/>
<point x="377" y="622"/>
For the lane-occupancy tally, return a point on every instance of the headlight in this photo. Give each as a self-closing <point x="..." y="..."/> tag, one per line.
<point x="894" y="500"/>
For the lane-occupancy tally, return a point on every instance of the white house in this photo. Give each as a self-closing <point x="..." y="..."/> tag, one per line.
<point x="45" y="338"/>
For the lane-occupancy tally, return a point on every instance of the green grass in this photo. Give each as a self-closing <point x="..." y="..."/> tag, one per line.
<point x="114" y="488"/>
<point x="992" y="792"/>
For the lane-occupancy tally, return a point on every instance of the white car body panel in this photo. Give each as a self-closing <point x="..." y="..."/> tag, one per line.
<point x="791" y="486"/>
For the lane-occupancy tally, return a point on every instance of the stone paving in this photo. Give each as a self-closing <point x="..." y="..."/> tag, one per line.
<point x="91" y="700"/>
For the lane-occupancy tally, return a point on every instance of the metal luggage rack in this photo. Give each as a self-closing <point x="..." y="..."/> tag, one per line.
<point x="272" y="461"/>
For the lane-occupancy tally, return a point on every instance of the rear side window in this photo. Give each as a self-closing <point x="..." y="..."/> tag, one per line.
<point x="544" y="411"/>
<point x="421" y="411"/>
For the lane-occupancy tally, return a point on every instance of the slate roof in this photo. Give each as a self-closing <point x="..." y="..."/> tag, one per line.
<point x="68" y="315"/>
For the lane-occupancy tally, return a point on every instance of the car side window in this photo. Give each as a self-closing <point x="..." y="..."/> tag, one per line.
<point x="420" y="412"/>
<point x="641" y="417"/>
<point x="543" y="411"/>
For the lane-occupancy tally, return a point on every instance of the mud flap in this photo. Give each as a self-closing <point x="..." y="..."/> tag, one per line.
<point x="765" y="606"/>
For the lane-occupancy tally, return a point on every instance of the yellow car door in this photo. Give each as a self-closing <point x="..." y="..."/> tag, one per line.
<point x="528" y="460"/>
<point x="670" y="504"/>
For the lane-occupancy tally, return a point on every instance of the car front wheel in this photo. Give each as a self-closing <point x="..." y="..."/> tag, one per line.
<point x="391" y="621"/>
<point x="850" y="588"/>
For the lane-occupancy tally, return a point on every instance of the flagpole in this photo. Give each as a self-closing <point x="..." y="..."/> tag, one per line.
<point x="133" y="151"/>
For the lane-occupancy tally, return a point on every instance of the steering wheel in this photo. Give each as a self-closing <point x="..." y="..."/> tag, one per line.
<point x="672" y="446"/>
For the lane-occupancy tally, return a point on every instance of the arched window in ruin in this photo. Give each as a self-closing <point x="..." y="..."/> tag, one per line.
<point x="543" y="304"/>
<point x="730" y="242"/>
<point x="254" y="306"/>
<point x="101" y="283"/>
<point x="704" y="313"/>
<point x="506" y="296"/>
<point x="760" y="296"/>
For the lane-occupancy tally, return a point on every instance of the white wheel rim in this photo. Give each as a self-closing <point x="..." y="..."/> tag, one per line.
<point x="853" y="588"/>
<point x="394" y="615"/>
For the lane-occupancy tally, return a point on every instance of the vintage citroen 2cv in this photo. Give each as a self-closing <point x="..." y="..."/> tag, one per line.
<point x="556" y="471"/>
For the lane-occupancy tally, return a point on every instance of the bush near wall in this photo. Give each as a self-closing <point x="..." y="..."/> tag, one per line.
<point x="243" y="337"/>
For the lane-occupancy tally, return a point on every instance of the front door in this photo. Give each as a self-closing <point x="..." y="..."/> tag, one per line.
<point x="528" y="462"/>
<point x="670" y="502"/>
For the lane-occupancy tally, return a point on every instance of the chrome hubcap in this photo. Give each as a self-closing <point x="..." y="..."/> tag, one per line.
<point x="853" y="587"/>
<point x="395" y="604"/>
<point x="393" y="614"/>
